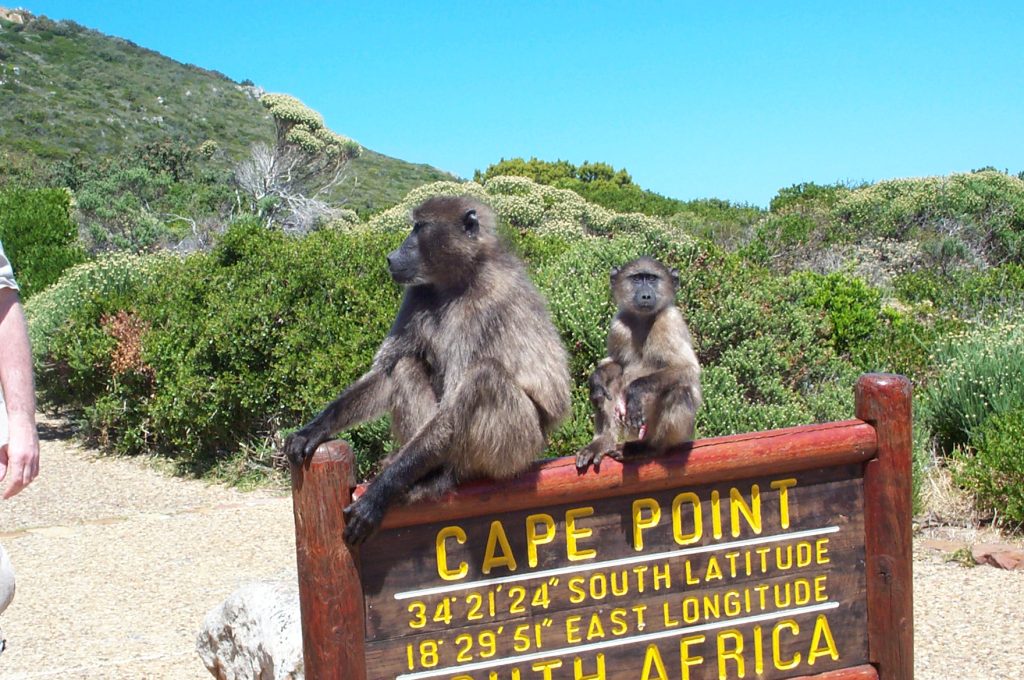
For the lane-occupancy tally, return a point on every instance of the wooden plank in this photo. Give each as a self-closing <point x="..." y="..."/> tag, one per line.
<point x="708" y="586"/>
<point x="865" y="672"/>
<point x="718" y="459"/>
<point x="885" y="401"/>
<point x="330" y="593"/>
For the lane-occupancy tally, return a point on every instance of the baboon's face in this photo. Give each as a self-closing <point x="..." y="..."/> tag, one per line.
<point x="443" y="246"/>
<point x="644" y="286"/>
<point x="405" y="263"/>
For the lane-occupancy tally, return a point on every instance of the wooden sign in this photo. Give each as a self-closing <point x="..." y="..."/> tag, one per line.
<point x="741" y="557"/>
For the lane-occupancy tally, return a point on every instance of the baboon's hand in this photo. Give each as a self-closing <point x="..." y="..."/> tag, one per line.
<point x="362" y="519"/>
<point x="633" y="418"/>
<point x="594" y="452"/>
<point x="300" y="445"/>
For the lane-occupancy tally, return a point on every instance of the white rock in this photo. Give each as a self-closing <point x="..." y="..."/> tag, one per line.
<point x="256" y="634"/>
<point x="6" y="580"/>
<point x="6" y="588"/>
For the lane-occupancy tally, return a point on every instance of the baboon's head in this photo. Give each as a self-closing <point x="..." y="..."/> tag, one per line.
<point x="644" y="286"/>
<point x="450" y="236"/>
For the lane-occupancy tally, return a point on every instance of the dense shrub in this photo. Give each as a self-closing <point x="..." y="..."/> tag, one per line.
<point x="72" y="350"/>
<point x="150" y="197"/>
<point x="219" y="350"/>
<point x="851" y="305"/>
<point x="966" y="220"/>
<point x="992" y="468"/>
<point x="231" y="345"/>
<point x="38" y="235"/>
<point x="967" y="293"/>
<point x="602" y="185"/>
<point x="979" y="377"/>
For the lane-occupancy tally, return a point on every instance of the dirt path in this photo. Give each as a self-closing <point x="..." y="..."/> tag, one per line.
<point x="117" y="564"/>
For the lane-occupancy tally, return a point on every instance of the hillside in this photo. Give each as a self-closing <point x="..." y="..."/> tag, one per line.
<point x="66" y="90"/>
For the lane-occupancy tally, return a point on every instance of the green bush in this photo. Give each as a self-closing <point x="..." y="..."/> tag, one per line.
<point x="966" y="292"/>
<point x="979" y="377"/>
<point x="851" y="305"/>
<point x="71" y="349"/>
<point x="993" y="466"/>
<point x="38" y="235"/>
<point x="205" y="354"/>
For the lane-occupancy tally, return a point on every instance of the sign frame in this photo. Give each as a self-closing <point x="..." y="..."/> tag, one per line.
<point x="879" y="438"/>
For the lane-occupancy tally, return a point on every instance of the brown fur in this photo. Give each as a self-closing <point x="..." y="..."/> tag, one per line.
<point x="472" y="372"/>
<point x="648" y="387"/>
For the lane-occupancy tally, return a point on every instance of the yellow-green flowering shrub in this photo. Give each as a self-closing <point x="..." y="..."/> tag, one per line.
<point x="979" y="376"/>
<point x="992" y="467"/>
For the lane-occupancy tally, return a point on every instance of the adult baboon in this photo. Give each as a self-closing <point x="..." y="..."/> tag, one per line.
<point x="648" y="387"/>
<point x="472" y="372"/>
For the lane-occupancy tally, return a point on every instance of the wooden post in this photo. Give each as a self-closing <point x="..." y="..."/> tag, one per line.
<point x="330" y="594"/>
<point x="884" y="400"/>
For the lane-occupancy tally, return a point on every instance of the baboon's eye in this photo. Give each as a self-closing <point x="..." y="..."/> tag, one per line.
<point x="417" y="226"/>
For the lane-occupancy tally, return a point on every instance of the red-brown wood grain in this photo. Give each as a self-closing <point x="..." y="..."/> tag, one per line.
<point x="884" y="400"/>
<point x="330" y="593"/>
<point x="865" y="672"/>
<point x="707" y="460"/>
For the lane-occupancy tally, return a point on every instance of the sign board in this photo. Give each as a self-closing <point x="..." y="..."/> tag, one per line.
<point x="743" y="557"/>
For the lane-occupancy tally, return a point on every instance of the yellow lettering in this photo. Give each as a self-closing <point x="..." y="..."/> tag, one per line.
<point x="441" y="549"/>
<point x="782" y="486"/>
<point x="684" y="653"/>
<point x="752" y="513"/>
<point x="639" y="611"/>
<point x="801" y="591"/>
<point x="819" y="588"/>
<point x="732" y="601"/>
<point x="497" y="538"/>
<point x="804" y="554"/>
<point x="576" y="588"/>
<point x="546" y="667"/>
<point x="712" y="607"/>
<point x="821" y="551"/>
<point x="572" y="628"/>
<point x="577" y="669"/>
<point x="677" y="518"/>
<point x="716" y="514"/>
<point x="714" y="572"/>
<point x="662" y="577"/>
<point x="736" y="653"/>
<point x="574" y="533"/>
<point x="620" y="585"/>
<point x="618" y="619"/>
<point x="777" y="659"/>
<point x="652" y="661"/>
<point x="640" y="522"/>
<point x="595" y="630"/>
<point x="690" y="579"/>
<point x="758" y="650"/>
<point x="598" y="586"/>
<point x="822" y="632"/>
<point x="669" y="621"/>
<point x="535" y="538"/>
<point x="691" y="610"/>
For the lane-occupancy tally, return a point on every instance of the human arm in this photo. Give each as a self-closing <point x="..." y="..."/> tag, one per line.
<point x="19" y="457"/>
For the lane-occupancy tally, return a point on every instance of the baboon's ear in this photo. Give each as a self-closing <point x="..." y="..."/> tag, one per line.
<point x="674" y="273"/>
<point x="470" y="223"/>
<point x="615" y="274"/>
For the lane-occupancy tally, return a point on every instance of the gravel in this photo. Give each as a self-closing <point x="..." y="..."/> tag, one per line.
<point x="118" y="563"/>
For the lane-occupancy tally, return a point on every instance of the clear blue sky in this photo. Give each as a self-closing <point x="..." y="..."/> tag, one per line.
<point x="731" y="100"/>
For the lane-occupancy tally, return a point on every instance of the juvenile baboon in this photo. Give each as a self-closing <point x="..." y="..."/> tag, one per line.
<point x="472" y="371"/>
<point x="648" y="387"/>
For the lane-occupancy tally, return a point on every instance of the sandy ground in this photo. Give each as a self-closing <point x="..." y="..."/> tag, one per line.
<point x="118" y="563"/>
